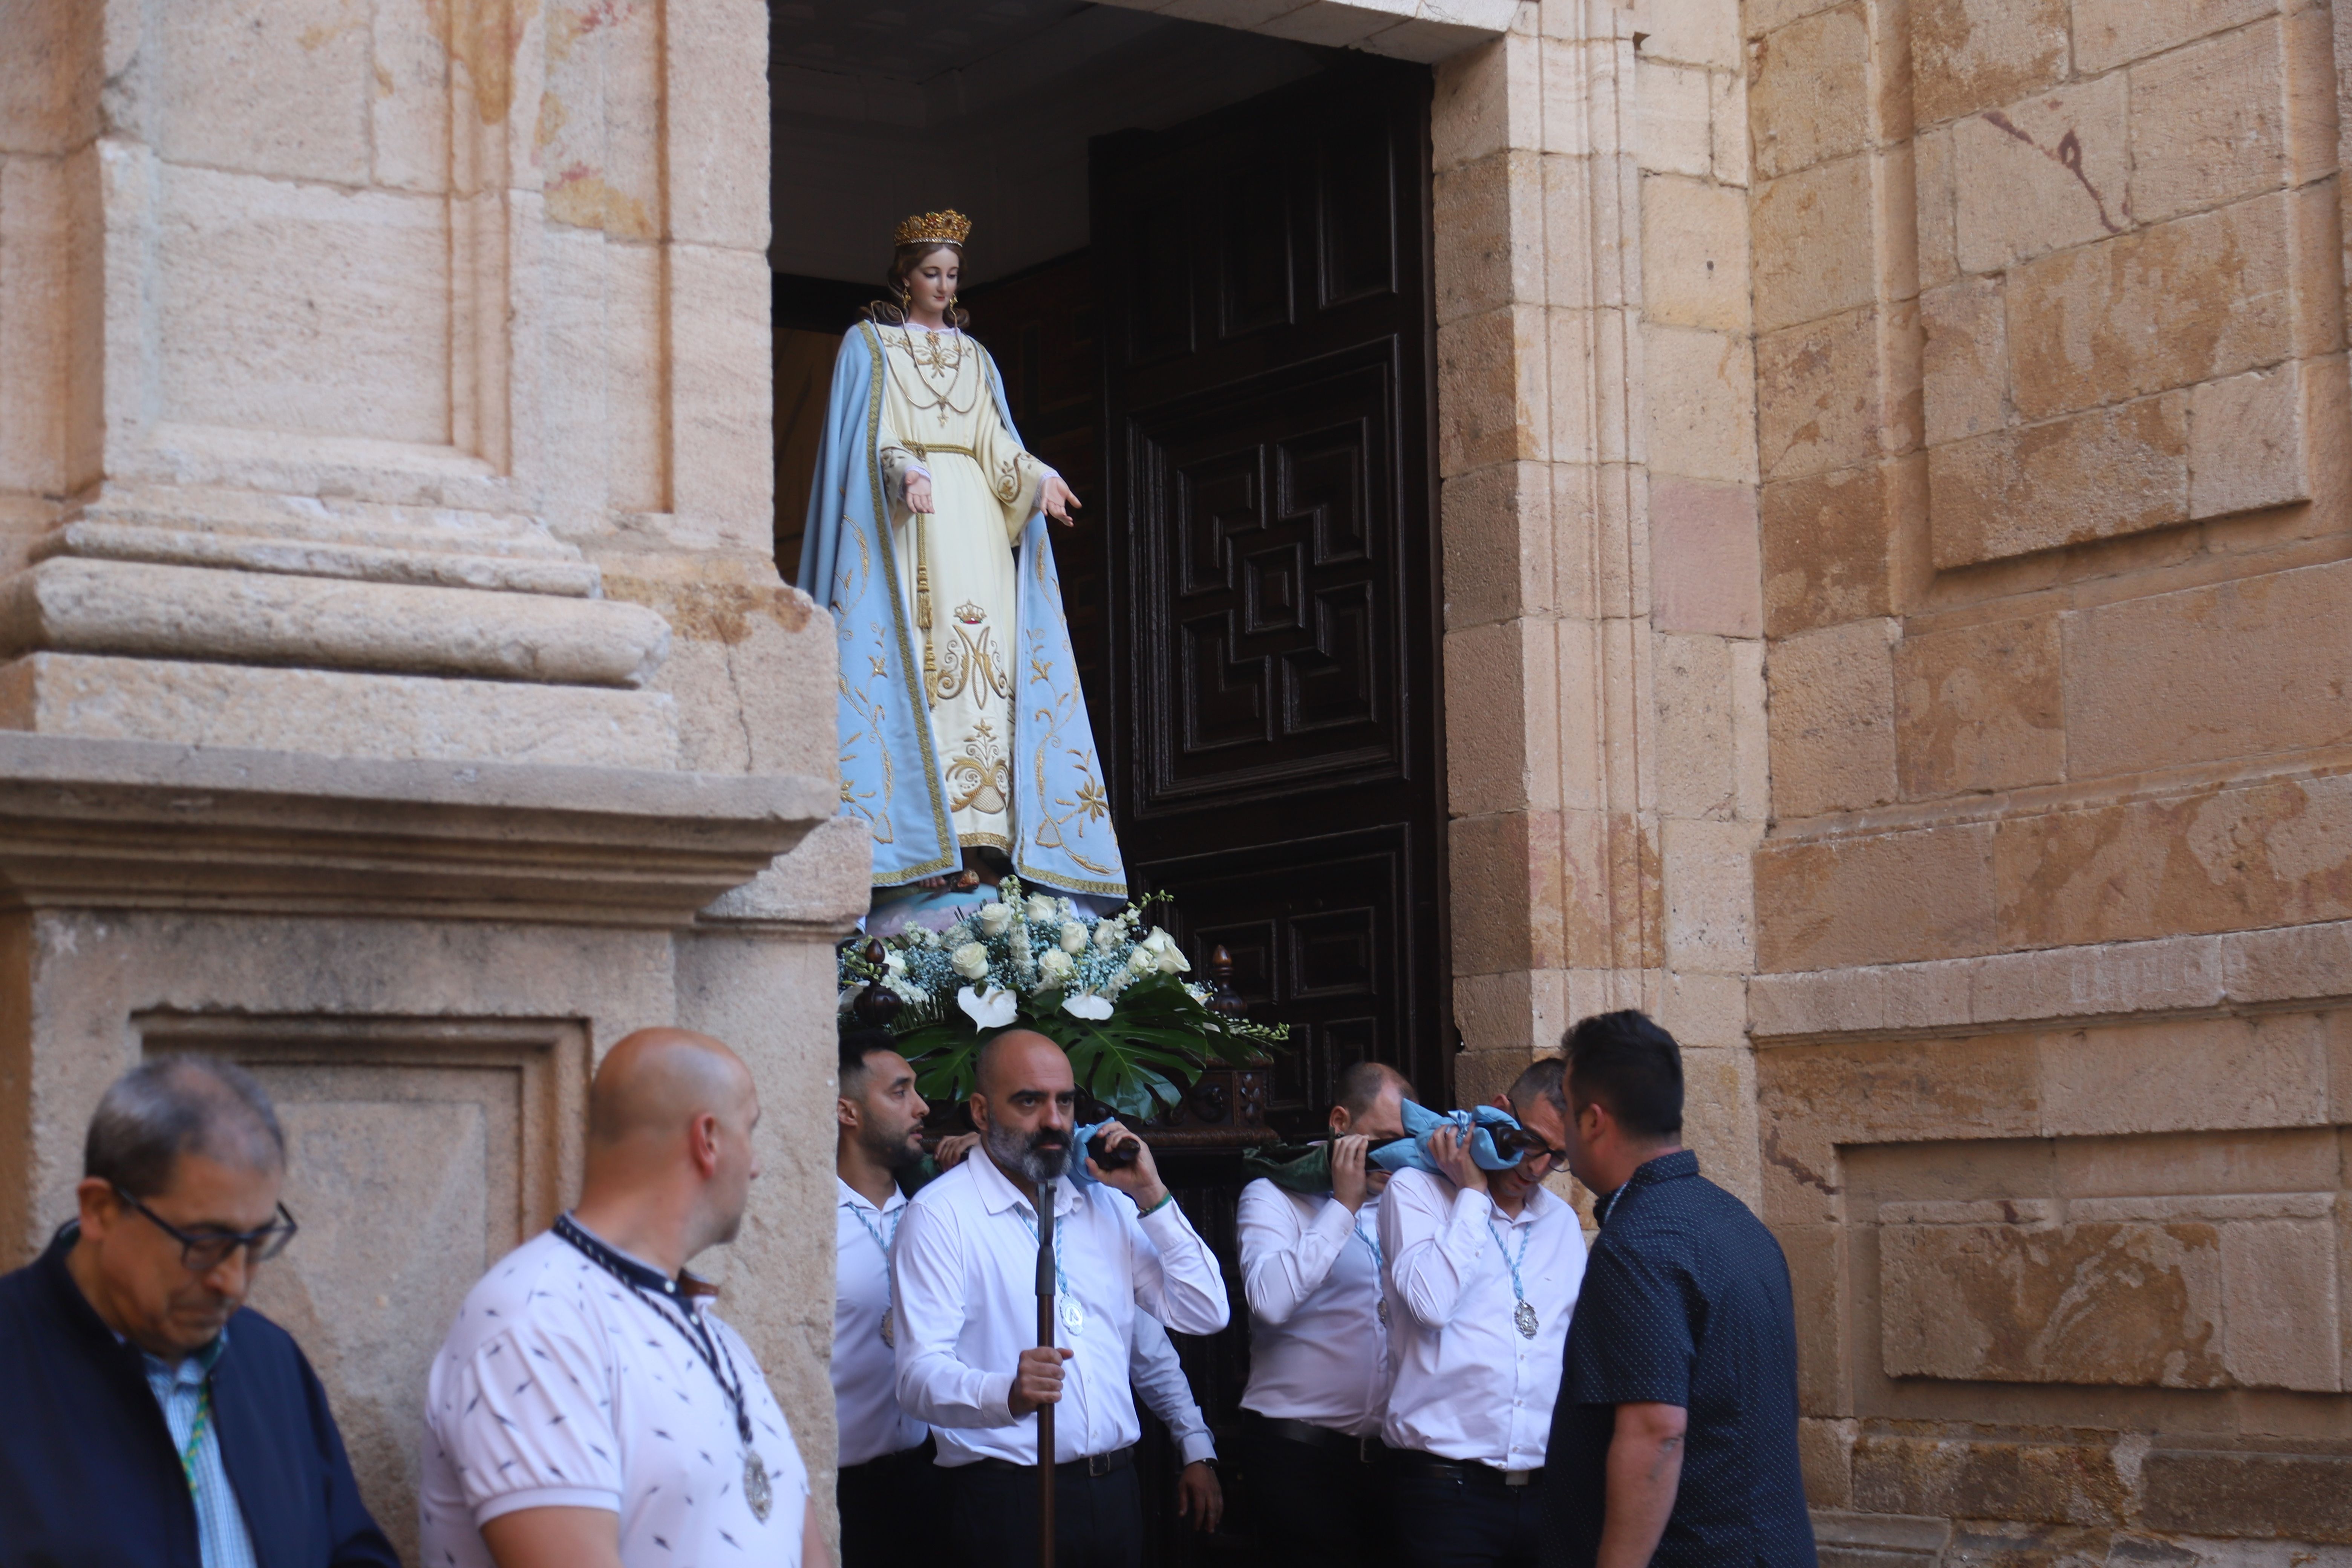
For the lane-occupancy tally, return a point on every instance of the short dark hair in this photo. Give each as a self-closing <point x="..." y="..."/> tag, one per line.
<point x="857" y="1045"/>
<point x="180" y="1105"/>
<point x="1547" y="1077"/>
<point x="1625" y="1061"/>
<point x="1360" y="1084"/>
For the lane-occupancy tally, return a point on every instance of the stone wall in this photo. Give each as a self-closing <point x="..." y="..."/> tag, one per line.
<point x="2053" y="1087"/>
<point x="395" y="689"/>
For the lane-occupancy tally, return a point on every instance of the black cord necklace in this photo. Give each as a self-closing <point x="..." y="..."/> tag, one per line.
<point x="654" y="1290"/>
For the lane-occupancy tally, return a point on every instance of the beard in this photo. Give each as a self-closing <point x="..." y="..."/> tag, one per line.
<point x="895" y="1154"/>
<point x="1041" y="1157"/>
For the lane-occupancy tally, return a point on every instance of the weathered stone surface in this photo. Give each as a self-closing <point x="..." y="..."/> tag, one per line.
<point x="1826" y="546"/>
<point x="1833" y="696"/>
<point x="2041" y="1482"/>
<point x="1673" y="135"/>
<point x="1890" y="898"/>
<point x="2209" y="123"/>
<point x="2203" y="1073"/>
<point x="1490" y="377"/>
<point x="1695" y="250"/>
<point x="1706" y="571"/>
<point x="1808" y="91"/>
<point x="1494" y="524"/>
<point x="1813" y="244"/>
<point x="126" y="607"/>
<point x="1978" y="707"/>
<point x="2266" y="1496"/>
<point x="2043" y="173"/>
<point x="2185" y="302"/>
<point x="1971" y="55"/>
<point x="270" y="291"/>
<point x="1710" y="895"/>
<point x="2091" y="476"/>
<point x="1817" y="396"/>
<point x="2111" y="31"/>
<point x="337" y="713"/>
<point x="1697" y="690"/>
<point x="1965" y="360"/>
<point x="2240" y="669"/>
<point x="2246" y="443"/>
<point x="1701" y="402"/>
<point x="2269" y="854"/>
<point x="1494" y="207"/>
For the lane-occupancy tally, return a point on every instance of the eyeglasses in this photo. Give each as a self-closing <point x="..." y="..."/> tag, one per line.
<point x="1524" y="1141"/>
<point x="203" y="1251"/>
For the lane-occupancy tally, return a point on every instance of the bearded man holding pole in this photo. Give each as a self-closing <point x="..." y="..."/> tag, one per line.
<point x="972" y="1265"/>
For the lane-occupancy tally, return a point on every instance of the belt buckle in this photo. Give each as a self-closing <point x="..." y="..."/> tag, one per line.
<point x="1518" y="1478"/>
<point x="1097" y="1464"/>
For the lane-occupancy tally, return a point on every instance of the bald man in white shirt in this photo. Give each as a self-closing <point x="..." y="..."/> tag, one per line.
<point x="965" y="1266"/>
<point x="588" y="1409"/>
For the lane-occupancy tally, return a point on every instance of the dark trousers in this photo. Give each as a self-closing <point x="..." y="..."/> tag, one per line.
<point x="1315" y="1503"/>
<point x="1097" y="1520"/>
<point x="1474" y="1521"/>
<point x="889" y="1508"/>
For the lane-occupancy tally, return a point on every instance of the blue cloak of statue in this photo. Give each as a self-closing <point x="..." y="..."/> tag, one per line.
<point x="890" y="772"/>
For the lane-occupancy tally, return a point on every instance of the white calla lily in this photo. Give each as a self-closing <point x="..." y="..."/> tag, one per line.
<point x="990" y="1008"/>
<point x="1087" y="1005"/>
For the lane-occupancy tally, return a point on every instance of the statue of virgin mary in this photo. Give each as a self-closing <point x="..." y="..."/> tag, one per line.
<point x="964" y="742"/>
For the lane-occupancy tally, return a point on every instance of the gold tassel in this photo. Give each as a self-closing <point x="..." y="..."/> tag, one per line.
<point x="923" y="609"/>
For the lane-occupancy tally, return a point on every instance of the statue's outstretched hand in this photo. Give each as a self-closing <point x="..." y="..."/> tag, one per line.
<point x="1054" y="497"/>
<point x="918" y="493"/>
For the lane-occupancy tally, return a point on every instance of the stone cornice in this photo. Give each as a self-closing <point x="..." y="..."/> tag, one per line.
<point x="133" y="824"/>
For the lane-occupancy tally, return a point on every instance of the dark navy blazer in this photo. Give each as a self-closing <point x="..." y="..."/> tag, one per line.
<point x="88" y="1476"/>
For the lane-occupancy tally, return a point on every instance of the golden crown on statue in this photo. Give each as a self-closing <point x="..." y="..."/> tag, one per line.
<point x="933" y="229"/>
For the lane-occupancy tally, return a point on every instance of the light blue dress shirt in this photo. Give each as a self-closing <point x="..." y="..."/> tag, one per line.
<point x="221" y="1534"/>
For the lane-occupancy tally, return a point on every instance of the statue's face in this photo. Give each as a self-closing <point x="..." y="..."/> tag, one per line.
<point x="932" y="282"/>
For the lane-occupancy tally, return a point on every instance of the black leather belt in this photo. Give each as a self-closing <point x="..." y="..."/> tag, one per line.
<point x="884" y="1464"/>
<point x="1431" y="1466"/>
<point x="1092" y="1465"/>
<point x="1364" y="1450"/>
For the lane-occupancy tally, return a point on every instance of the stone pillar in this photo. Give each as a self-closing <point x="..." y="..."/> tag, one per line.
<point x="1603" y="676"/>
<point x="395" y="689"/>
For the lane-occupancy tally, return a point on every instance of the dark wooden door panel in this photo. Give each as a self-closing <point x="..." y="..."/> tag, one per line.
<point x="1272" y="720"/>
<point x="1265" y="531"/>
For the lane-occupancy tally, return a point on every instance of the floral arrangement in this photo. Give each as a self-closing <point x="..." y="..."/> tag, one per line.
<point x="1108" y="989"/>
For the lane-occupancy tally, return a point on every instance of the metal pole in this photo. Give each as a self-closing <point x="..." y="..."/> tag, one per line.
<point x="1046" y="1342"/>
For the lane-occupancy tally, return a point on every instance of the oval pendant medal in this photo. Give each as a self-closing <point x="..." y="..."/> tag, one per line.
<point x="755" y="1485"/>
<point x="1074" y="1316"/>
<point x="1525" y="1316"/>
<point x="1384" y="1311"/>
<point x="888" y="1336"/>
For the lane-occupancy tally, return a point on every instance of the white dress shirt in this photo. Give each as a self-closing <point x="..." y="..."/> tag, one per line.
<point x="966" y="1267"/>
<point x="864" y="1369"/>
<point x="561" y="1387"/>
<point x="1160" y="1377"/>
<point x="1319" y="1350"/>
<point x="1468" y="1384"/>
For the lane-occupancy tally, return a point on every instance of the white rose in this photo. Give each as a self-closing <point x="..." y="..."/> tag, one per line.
<point x="1042" y="908"/>
<point x="1107" y="935"/>
<point x="1172" y="962"/>
<point x="955" y="936"/>
<point x="970" y="960"/>
<point x="994" y="918"/>
<point x="1058" y="965"/>
<point x="896" y="963"/>
<point x="1142" y="961"/>
<point x="1073" y="937"/>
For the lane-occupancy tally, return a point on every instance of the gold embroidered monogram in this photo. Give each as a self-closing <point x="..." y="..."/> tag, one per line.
<point x="980" y="777"/>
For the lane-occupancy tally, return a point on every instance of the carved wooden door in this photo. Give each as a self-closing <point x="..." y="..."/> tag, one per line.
<point x="1262" y="286"/>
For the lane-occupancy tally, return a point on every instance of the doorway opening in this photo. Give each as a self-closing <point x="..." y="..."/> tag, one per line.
<point x="1201" y="260"/>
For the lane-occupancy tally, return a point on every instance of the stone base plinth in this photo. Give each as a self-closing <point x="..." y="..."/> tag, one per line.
<point x="336" y="713"/>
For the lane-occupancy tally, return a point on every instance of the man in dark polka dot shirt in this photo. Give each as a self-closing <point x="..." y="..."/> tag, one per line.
<point x="1673" y="1439"/>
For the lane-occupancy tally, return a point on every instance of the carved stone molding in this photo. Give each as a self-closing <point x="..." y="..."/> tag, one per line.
<point x="126" y="824"/>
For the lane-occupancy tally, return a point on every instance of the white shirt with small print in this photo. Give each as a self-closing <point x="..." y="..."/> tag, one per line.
<point x="559" y="1386"/>
<point x="1469" y="1385"/>
<point x="864" y="1369"/>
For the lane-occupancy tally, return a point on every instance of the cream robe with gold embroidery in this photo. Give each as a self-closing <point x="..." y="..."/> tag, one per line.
<point x="939" y="414"/>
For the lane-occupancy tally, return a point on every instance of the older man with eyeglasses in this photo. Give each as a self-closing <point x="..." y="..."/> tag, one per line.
<point x="146" y="1415"/>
